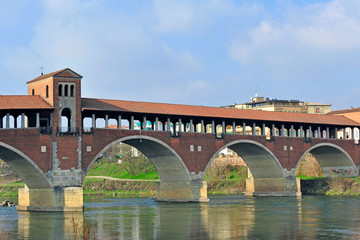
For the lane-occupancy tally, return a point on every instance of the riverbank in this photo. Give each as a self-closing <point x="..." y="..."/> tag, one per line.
<point x="102" y="185"/>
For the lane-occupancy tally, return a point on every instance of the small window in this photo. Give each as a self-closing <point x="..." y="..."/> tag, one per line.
<point x="66" y="90"/>
<point x="47" y="91"/>
<point x="60" y="89"/>
<point x="72" y="90"/>
<point x="33" y="92"/>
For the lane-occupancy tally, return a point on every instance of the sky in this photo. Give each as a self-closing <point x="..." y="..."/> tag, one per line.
<point x="204" y="52"/>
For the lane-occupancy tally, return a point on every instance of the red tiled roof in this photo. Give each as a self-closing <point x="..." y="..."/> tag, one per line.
<point x="212" y="112"/>
<point x="23" y="102"/>
<point x="52" y="74"/>
<point x="345" y="111"/>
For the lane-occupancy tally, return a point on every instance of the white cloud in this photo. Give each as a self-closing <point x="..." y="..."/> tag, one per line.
<point x="185" y="57"/>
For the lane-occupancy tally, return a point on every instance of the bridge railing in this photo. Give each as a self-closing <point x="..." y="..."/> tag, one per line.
<point x="88" y="130"/>
<point x="45" y="130"/>
<point x="67" y="130"/>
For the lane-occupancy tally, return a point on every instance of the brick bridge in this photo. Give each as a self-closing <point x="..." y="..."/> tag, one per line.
<point x="52" y="136"/>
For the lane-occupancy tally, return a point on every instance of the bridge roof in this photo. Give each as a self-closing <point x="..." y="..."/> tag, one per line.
<point x="12" y="102"/>
<point x="212" y="112"/>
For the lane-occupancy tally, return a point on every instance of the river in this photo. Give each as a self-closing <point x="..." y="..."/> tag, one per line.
<point x="224" y="217"/>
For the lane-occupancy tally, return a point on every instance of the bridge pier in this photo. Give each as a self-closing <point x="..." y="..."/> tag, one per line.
<point x="193" y="191"/>
<point x="59" y="199"/>
<point x="281" y="187"/>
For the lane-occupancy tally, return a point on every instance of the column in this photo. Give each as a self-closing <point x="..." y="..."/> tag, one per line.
<point x="15" y="121"/>
<point x="301" y="131"/>
<point x="336" y="133"/>
<point x="180" y="125"/>
<point x="93" y="119"/>
<point x="327" y="132"/>
<point x="202" y="126"/>
<point x="282" y="130"/>
<point x="213" y="127"/>
<point x="23" y="120"/>
<point x="234" y="128"/>
<point x="263" y="129"/>
<point x="51" y="120"/>
<point x="168" y="125"/>
<point x="38" y="120"/>
<point x="191" y="126"/>
<point x="143" y="127"/>
<point x="1" y="121"/>
<point x="353" y="133"/>
<point x="244" y="128"/>
<point x="344" y="133"/>
<point x="119" y="122"/>
<point x="273" y="133"/>
<point x="310" y="132"/>
<point x="7" y="120"/>
<point x="156" y="124"/>
<point x="131" y="124"/>
<point x="292" y="131"/>
<point x="223" y="127"/>
<point x="319" y="132"/>
<point x="106" y="121"/>
<point x="253" y="129"/>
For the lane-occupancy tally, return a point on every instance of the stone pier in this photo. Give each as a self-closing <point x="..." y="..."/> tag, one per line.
<point x="61" y="199"/>
<point x="194" y="191"/>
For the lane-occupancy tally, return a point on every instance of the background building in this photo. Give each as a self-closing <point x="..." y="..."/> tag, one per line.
<point x="276" y="105"/>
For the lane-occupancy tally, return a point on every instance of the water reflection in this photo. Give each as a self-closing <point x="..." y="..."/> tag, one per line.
<point x="225" y="217"/>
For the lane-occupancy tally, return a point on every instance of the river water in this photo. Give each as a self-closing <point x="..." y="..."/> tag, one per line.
<point x="224" y="217"/>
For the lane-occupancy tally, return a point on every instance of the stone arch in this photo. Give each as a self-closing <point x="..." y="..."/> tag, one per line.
<point x="65" y="118"/>
<point x="167" y="162"/>
<point x="25" y="167"/>
<point x="333" y="160"/>
<point x="261" y="162"/>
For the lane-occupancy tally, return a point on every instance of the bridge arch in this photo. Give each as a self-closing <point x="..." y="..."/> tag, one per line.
<point x="167" y="162"/>
<point x="261" y="162"/>
<point x="25" y="167"/>
<point x="333" y="160"/>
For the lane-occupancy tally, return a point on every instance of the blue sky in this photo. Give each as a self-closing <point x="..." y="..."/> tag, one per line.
<point x="204" y="52"/>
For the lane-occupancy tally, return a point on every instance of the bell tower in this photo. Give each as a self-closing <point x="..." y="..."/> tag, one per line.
<point x="62" y="90"/>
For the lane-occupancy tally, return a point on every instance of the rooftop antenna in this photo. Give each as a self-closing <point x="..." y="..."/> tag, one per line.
<point x="42" y="70"/>
<point x="256" y="94"/>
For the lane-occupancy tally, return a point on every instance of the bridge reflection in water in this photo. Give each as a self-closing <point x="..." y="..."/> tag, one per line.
<point x="225" y="217"/>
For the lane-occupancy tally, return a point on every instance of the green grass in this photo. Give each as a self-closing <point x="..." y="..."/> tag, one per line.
<point x="10" y="190"/>
<point x="302" y="177"/>
<point x="115" y="170"/>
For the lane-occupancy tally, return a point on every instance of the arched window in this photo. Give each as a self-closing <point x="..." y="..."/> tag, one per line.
<point x="66" y="90"/>
<point x="60" y="90"/>
<point x="72" y="90"/>
<point x="33" y="92"/>
<point x="47" y="91"/>
<point x="65" y="120"/>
